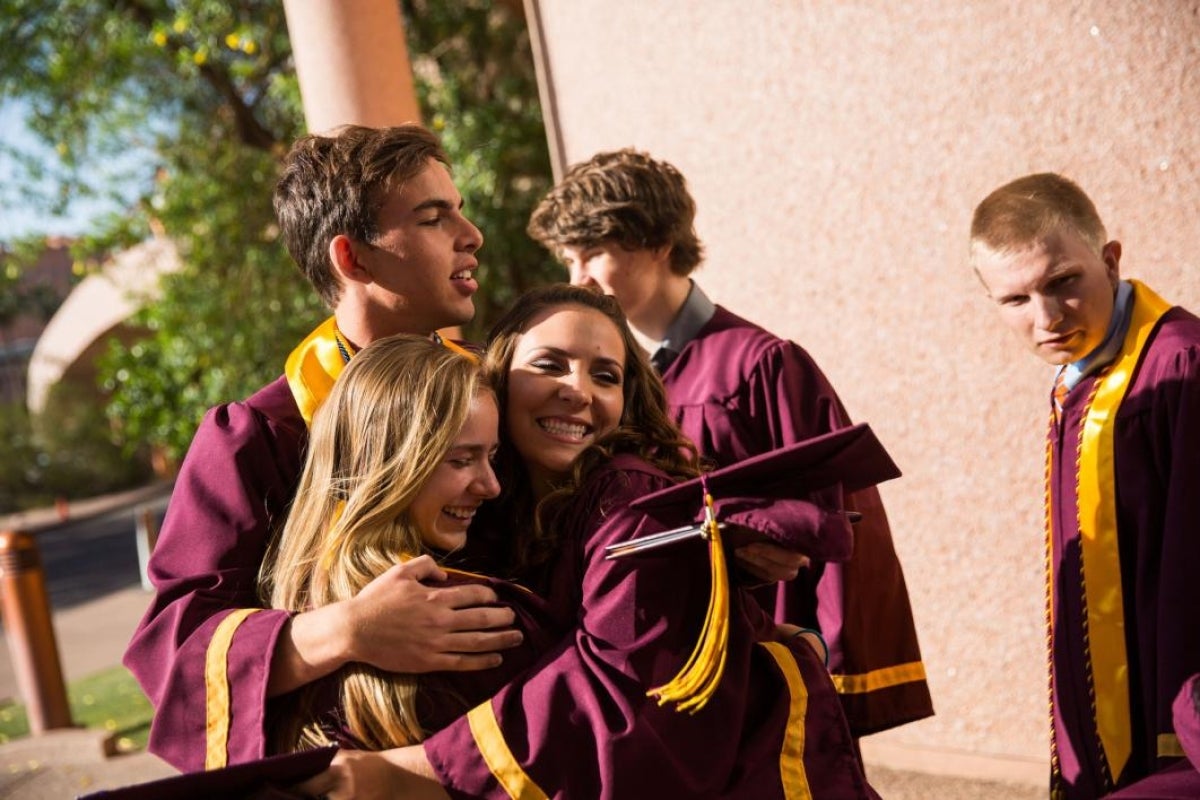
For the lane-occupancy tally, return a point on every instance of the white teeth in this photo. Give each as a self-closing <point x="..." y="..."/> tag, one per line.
<point x="459" y="512"/>
<point x="563" y="428"/>
<point x="462" y="274"/>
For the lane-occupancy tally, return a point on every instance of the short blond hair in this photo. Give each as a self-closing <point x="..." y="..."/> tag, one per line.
<point x="1027" y="210"/>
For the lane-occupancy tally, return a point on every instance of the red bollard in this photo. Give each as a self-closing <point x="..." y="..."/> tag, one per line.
<point x="25" y="609"/>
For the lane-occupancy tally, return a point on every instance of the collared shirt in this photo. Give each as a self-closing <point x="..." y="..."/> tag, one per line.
<point x="1107" y="350"/>
<point x="693" y="315"/>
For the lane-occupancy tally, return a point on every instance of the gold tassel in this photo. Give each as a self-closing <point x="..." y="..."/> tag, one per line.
<point x="696" y="683"/>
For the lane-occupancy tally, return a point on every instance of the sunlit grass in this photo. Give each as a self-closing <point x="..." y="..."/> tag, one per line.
<point x="109" y="700"/>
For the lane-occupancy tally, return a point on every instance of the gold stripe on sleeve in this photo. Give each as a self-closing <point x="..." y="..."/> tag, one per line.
<point x="791" y="756"/>
<point x="879" y="678"/>
<point x="499" y="759"/>
<point x="216" y="689"/>
<point x="1169" y="746"/>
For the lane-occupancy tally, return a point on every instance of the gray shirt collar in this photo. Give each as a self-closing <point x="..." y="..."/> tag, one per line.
<point x="693" y="315"/>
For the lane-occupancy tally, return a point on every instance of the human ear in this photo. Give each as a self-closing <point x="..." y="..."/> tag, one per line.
<point x="347" y="265"/>
<point x="1111" y="255"/>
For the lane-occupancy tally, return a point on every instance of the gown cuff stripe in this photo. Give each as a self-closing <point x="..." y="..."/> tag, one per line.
<point x="877" y="679"/>
<point x="216" y="689"/>
<point x="490" y="740"/>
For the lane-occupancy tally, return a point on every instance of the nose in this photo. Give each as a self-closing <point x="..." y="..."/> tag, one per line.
<point x="472" y="238"/>
<point x="579" y="276"/>
<point x="574" y="388"/>
<point x="1047" y="311"/>
<point x="487" y="485"/>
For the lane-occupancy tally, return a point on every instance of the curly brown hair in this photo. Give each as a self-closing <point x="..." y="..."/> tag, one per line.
<point x="625" y="197"/>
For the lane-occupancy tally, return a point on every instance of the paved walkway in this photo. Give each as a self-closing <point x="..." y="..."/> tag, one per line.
<point x="92" y="636"/>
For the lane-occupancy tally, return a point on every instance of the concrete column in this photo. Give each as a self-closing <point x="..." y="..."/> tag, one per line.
<point x="352" y="62"/>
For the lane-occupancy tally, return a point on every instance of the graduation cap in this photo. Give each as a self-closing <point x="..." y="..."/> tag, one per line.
<point x="851" y="457"/>
<point x="265" y="779"/>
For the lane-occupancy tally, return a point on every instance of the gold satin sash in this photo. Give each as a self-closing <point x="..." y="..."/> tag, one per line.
<point x="1097" y="514"/>
<point x="317" y="362"/>
<point x="313" y="367"/>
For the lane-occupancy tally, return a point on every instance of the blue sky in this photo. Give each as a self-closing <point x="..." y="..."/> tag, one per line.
<point x="19" y="216"/>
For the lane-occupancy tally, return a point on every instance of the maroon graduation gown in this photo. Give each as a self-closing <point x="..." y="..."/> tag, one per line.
<point x="235" y="483"/>
<point x="579" y="724"/>
<point x="738" y="391"/>
<point x="443" y="697"/>
<point x="1156" y="466"/>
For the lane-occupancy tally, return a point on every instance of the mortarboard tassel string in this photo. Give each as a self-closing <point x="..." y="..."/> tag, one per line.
<point x="696" y="683"/>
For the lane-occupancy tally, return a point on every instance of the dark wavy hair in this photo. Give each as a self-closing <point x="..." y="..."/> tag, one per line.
<point x="645" y="429"/>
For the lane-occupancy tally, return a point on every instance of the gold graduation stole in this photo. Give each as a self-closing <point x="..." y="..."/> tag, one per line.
<point x="313" y="367"/>
<point x="315" y="364"/>
<point x="1097" y="517"/>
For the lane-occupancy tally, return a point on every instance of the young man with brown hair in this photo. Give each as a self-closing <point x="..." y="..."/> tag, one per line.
<point x="623" y="221"/>
<point x="374" y="221"/>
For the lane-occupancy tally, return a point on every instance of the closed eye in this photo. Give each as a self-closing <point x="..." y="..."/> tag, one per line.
<point x="546" y="365"/>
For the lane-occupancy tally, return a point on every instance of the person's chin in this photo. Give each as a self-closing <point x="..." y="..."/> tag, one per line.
<point x="447" y="543"/>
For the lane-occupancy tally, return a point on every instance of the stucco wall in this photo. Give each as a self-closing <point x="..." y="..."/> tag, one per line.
<point x="836" y="150"/>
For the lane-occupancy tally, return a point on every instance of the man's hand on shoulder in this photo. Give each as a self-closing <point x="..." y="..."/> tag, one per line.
<point x="399" y="624"/>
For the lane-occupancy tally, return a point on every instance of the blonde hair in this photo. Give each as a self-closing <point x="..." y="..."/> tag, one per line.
<point x="390" y="420"/>
<point x="1025" y="211"/>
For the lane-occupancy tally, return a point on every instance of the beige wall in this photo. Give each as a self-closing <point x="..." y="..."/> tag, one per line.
<point x="837" y="150"/>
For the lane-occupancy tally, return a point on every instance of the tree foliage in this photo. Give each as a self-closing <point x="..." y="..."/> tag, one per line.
<point x="205" y="90"/>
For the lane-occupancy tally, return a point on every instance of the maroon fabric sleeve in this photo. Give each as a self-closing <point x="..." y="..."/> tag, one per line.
<point x="739" y="391"/>
<point x="234" y="484"/>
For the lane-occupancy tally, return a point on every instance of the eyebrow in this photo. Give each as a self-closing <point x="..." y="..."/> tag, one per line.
<point x="438" y="202"/>
<point x="471" y="448"/>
